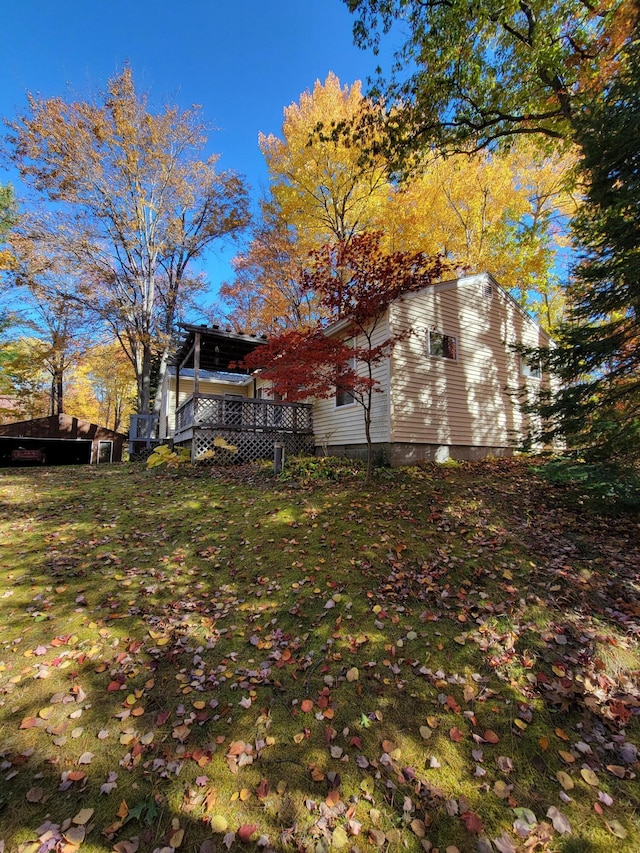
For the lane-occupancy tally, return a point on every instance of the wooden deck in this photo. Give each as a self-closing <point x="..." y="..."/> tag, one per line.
<point x="253" y="425"/>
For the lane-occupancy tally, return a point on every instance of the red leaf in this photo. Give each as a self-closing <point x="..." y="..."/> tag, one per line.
<point x="472" y="822"/>
<point x="451" y="703"/>
<point x="246" y="831"/>
<point x="455" y="734"/>
<point x="263" y="789"/>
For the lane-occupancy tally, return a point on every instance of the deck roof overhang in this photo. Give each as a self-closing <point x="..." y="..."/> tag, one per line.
<point x="214" y="349"/>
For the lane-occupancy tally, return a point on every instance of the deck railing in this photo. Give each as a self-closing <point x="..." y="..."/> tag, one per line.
<point x="143" y="433"/>
<point x="218" y="411"/>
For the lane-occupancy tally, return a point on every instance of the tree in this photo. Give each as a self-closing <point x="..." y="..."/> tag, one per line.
<point x="320" y="177"/>
<point x="60" y="325"/>
<point x="7" y="220"/>
<point x="598" y="357"/>
<point x="113" y="383"/>
<point x="475" y="73"/>
<point x="355" y="282"/>
<point x="498" y="211"/>
<point x="266" y="295"/>
<point x="24" y="382"/>
<point x="134" y="207"/>
<point x="506" y="212"/>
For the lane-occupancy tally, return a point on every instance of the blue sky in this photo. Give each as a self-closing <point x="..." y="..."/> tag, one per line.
<point x="243" y="61"/>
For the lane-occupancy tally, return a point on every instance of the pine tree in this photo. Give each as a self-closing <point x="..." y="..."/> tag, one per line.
<point x="598" y="357"/>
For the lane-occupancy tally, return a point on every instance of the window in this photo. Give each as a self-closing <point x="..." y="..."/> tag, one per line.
<point x="442" y="346"/>
<point x="105" y="451"/>
<point x="532" y="369"/>
<point x="344" y="396"/>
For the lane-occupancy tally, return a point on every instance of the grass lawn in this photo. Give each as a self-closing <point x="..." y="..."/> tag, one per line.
<point x="199" y="662"/>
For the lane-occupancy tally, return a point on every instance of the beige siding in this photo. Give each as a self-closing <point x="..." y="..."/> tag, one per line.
<point x="167" y="419"/>
<point x="463" y="402"/>
<point x="344" y="425"/>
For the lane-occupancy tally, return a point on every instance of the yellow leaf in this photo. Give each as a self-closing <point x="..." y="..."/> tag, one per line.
<point x="83" y="817"/>
<point x="176" y="838"/>
<point x="589" y="777"/>
<point x="565" y="780"/>
<point x="218" y="823"/>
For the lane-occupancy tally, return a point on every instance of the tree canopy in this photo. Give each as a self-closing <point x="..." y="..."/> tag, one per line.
<point x="598" y="357"/>
<point x="7" y="219"/>
<point x="318" y="174"/>
<point x="475" y="73"/>
<point x="134" y="207"/>
<point x="503" y="211"/>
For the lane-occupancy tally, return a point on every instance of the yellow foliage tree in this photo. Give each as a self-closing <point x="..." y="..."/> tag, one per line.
<point x="502" y="212"/>
<point x="321" y="178"/>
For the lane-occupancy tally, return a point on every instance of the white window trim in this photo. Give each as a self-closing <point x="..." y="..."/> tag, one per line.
<point x="527" y="371"/>
<point x="444" y="335"/>
<point x="341" y="406"/>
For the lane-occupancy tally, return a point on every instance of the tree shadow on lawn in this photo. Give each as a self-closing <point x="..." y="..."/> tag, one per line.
<point x="237" y="618"/>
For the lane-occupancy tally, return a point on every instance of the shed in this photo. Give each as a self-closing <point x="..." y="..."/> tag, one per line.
<point x="60" y="440"/>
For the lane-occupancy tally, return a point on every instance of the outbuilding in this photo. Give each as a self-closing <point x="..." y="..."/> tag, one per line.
<point x="58" y="440"/>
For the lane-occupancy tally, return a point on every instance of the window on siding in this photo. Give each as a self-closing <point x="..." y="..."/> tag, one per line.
<point x="532" y="369"/>
<point x="344" y="397"/>
<point x="442" y="346"/>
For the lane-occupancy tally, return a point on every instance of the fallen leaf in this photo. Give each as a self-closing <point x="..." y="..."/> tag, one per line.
<point x="218" y="823"/>
<point x="559" y="821"/>
<point x="176" y="838"/>
<point x="339" y="838"/>
<point x="565" y="780"/>
<point x="472" y="822"/>
<point x="501" y="789"/>
<point x="504" y="844"/>
<point x="246" y="831"/>
<point x="129" y="846"/>
<point x="83" y="817"/>
<point x="35" y="795"/>
<point x="75" y="835"/>
<point x="418" y="827"/>
<point x="617" y="770"/>
<point x="616" y="828"/>
<point x="589" y="777"/>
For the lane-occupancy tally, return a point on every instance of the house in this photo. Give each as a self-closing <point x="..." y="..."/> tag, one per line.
<point x="59" y="440"/>
<point x="449" y="389"/>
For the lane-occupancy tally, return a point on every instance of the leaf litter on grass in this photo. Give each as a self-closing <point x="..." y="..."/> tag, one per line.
<point x="311" y="665"/>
